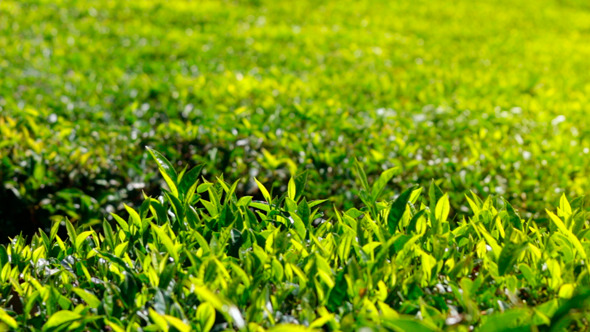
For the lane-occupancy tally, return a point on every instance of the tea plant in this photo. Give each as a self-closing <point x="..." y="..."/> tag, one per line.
<point x="343" y="148"/>
<point x="489" y="97"/>
<point x="199" y="257"/>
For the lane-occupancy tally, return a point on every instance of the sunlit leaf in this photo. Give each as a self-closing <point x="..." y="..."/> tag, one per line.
<point x="61" y="318"/>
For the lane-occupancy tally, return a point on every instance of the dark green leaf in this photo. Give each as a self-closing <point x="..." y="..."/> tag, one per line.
<point x="190" y="179"/>
<point x="235" y="242"/>
<point x="397" y="210"/>
<point x="508" y="256"/>
<point x="513" y="218"/>
<point x="380" y="184"/>
<point x="304" y="212"/>
<point x="362" y="176"/>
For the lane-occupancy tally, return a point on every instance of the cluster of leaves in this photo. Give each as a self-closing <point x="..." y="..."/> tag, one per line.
<point x="201" y="258"/>
<point x="471" y="93"/>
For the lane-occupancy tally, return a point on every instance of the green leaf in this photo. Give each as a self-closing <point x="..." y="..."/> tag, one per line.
<point x="54" y="229"/>
<point x="414" y="221"/>
<point x="166" y="275"/>
<point x="159" y="320"/>
<point x="204" y="187"/>
<point x="192" y="217"/>
<point x="380" y="184"/>
<point x="71" y="232"/>
<point x="443" y="209"/>
<point x="135" y="218"/>
<point x="397" y="210"/>
<point x="338" y="293"/>
<point x="129" y="289"/>
<point x="61" y="318"/>
<point x="513" y="217"/>
<point x="81" y="237"/>
<point x="190" y="179"/>
<point x="573" y="239"/>
<point x="114" y="326"/>
<point x="264" y="192"/>
<point x="434" y="194"/>
<point x="508" y="321"/>
<point x="316" y="202"/>
<point x="261" y="206"/>
<point x="205" y="316"/>
<point x="177" y="323"/>
<point x="403" y="324"/>
<point x="3" y="256"/>
<point x="88" y="297"/>
<point x="244" y="201"/>
<point x="220" y="305"/>
<point x="39" y="171"/>
<point x="230" y="194"/>
<point x="160" y="211"/>
<point x="528" y="273"/>
<point x="292" y="189"/>
<point x="235" y="242"/>
<point x="114" y="259"/>
<point x="475" y="208"/>
<point x="7" y="319"/>
<point x="166" y="169"/>
<point x="578" y="203"/>
<point x="299" y="226"/>
<point x="108" y="234"/>
<point x="577" y="302"/>
<point x="226" y="217"/>
<point x="144" y="207"/>
<point x="564" y="205"/>
<point x="166" y="241"/>
<point x="290" y="328"/>
<point x="178" y="208"/>
<point x="496" y="249"/>
<point x="362" y="176"/>
<point x="209" y="297"/>
<point x="304" y="212"/>
<point x="163" y="163"/>
<point x="300" y="184"/>
<point x="509" y="255"/>
<point x="122" y="223"/>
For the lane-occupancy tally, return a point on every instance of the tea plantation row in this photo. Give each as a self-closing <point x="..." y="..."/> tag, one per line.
<point x="408" y="151"/>
<point x="201" y="258"/>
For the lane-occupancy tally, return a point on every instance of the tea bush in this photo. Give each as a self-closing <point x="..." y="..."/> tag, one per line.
<point x="200" y="258"/>
<point x="360" y="104"/>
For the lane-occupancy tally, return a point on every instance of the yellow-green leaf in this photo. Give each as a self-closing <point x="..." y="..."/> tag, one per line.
<point x="135" y="218"/>
<point x="442" y="209"/>
<point x="81" y="237"/>
<point x="177" y="323"/>
<point x="159" y="320"/>
<point x="291" y="189"/>
<point x="7" y="319"/>
<point x="166" y="241"/>
<point x="60" y="318"/>
<point x="573" y="239"/>
<point x="263" y="190"/>
<point x="206" y="316"/>
<point x="88" y="297"/>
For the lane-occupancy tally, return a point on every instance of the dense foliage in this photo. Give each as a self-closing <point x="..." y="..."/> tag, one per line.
<point x="200" y="258"/>
<point x="374" y="109"/>
<point x="490" y="97"/>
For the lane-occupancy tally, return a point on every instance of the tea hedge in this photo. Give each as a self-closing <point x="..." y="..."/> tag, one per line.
<point x="487" y="97"/>
<point x="199" y="257"/>
<point x="326" y="134"/>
